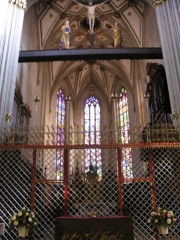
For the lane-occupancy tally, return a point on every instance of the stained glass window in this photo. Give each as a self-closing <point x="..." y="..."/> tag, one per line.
<point x="92" y="134"/>
<point x="124" y="129"/>
<point x="60" y="120"/>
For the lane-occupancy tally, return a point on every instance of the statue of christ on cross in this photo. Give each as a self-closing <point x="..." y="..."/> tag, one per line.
<point x="91" y="12"/>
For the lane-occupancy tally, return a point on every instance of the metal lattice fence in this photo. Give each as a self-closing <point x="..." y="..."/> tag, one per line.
<point x="28" y="177"/>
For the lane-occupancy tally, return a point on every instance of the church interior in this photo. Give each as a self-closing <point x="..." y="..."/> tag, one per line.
<point x="89" y="118"/>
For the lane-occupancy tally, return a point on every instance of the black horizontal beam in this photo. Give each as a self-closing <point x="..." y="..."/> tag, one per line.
<point x="90" y="54"/>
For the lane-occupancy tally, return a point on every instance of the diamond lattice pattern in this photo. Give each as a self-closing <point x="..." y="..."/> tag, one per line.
<point x="103" y="190"/>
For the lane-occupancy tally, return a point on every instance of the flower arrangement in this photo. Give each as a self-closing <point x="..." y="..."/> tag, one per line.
<point x="162" y="217"/>
<point x="23" y="217"/>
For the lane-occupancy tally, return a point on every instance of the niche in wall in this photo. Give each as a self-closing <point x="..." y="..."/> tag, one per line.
<point x="21" y="113"/>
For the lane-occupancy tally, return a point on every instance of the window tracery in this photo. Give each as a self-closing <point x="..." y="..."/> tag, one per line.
<point x="92" y="134"/>
<point x="124" y="133"/>
<point x="60" y="121"/>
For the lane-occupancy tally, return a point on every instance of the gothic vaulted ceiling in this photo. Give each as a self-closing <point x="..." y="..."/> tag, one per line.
<point x="52" y="14"/>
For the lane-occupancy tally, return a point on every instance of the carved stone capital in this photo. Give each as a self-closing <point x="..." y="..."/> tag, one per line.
<point x="19" y="3"/>
<point x="158" y="2"/>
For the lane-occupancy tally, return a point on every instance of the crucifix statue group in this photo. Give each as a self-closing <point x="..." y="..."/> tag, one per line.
<point x="65" y="30"/>
<point x="91" y="12"/>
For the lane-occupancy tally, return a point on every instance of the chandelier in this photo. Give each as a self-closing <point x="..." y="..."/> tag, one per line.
<point x="158" y="2"/>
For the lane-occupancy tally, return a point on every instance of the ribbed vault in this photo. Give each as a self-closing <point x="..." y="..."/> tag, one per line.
<point x="80" y="75"/>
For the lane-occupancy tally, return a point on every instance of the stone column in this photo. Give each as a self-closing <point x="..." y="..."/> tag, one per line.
<point x="9" y="54"/>
<point x="3" y="15"/>
<point x="114" y="98"/>
<point x="168" y="18"/>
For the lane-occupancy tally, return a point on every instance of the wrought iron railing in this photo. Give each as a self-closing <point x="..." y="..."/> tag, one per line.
<point x="28" y="178"/>
<point x="165" y="132"/>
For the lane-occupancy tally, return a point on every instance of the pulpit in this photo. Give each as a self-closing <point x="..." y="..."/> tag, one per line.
<point x="120" y="227"/>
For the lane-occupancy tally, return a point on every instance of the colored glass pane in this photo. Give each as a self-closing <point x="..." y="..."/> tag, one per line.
<point x="92" y="134"/>
<point x="60" y="120"/>
<point x="125" y="137"/>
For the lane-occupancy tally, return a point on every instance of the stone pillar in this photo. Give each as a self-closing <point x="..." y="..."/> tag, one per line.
<point x="3" y="14"/>
<point x="168" y="18"/>
<point x="9" y="54"/>
<point x="114" y="98"/>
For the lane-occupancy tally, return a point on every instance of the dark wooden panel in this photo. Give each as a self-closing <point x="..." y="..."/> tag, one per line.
<point x="90" y="54"/>
<point x="122" y="225"/>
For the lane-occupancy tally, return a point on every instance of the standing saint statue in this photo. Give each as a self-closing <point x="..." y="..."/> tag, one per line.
<point x="117" y="36"/>
<point x="91" y="12"/>
<point x="65" y="38"/>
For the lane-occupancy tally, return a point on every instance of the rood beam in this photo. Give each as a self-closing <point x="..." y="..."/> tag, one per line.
<point x="90" y="54"/>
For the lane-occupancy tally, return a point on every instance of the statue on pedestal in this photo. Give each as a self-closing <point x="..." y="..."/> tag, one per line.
<point x="117" y="36"/>
<point x="65" y="38"/>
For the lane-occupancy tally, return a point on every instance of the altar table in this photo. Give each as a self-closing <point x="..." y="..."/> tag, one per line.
<point x="80" y="225"/>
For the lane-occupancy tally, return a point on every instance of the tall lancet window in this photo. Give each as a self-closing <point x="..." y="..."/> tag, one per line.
<point x="92" y="135"/>
<point x="124" y="129"/>
<point x="60" y="120"/>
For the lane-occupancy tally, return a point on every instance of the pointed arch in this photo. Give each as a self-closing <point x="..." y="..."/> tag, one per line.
<point x="124" y="133"/>
<point x="92" y="120"/>
<point x="60" y="127"/>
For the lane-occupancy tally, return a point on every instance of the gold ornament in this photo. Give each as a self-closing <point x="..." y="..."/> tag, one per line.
<point x="19" y="3"/>
<point x="8" y="117"/>
<point x="158" y="2"/>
